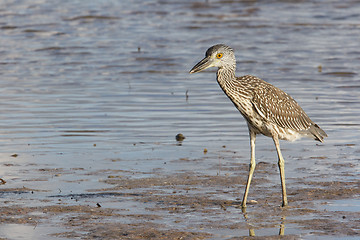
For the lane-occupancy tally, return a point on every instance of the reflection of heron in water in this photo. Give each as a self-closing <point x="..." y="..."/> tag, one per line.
<point x="267" y="109"/>
<point x="252" y="230"/>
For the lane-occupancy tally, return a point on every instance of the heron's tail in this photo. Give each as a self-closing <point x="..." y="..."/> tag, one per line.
<point x="317" y="132"/>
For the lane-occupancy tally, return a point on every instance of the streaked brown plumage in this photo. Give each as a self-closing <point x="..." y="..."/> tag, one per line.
<point x="267" y="109"/>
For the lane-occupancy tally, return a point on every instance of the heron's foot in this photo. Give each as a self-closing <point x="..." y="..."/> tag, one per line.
<point x="243" y="204"/>
<point x="285" y="204"/>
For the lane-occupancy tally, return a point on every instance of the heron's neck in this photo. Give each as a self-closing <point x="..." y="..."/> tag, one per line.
<point x="225" y="76"/>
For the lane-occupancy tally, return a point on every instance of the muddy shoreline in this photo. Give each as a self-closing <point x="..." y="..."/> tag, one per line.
<point x="163" y="206"/>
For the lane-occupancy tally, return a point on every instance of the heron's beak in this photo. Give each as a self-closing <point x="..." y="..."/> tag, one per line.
<point x="202" y="65"/>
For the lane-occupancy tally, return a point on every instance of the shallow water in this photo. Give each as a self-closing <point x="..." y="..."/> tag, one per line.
<point x="92" y="88"/>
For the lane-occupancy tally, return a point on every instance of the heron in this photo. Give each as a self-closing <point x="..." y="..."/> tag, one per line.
<point x="267" y="109"/>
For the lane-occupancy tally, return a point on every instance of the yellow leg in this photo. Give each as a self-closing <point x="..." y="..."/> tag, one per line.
<point x="281" y="164"/>
<point x="252" y="167"/>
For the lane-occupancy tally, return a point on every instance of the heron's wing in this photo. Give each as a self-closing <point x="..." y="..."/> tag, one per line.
<point x="280" y="108"/>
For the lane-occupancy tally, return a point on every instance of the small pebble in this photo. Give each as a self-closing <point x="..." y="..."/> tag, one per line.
<point x="179" y="137"/>
<point x="319" y="68"/>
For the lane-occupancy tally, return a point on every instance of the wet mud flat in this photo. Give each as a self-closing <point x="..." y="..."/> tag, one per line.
<point x="188" y="205"/>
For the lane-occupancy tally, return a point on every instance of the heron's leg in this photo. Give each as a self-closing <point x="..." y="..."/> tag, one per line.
<point x="281" y="164"/>
<point x="252" y="166"/>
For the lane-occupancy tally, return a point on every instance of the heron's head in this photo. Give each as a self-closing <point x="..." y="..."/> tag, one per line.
<point x="220" y="56"/>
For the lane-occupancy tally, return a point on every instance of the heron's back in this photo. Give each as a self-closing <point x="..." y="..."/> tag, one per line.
<point x="268" y="109"/>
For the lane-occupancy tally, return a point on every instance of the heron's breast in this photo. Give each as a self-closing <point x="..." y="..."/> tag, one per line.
<point x="255" y="120"/>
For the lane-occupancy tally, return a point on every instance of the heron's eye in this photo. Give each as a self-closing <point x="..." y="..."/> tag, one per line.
<point x="219" y="55"/>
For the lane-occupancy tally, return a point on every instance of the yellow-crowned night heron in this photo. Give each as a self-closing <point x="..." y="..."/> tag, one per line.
<point x="267" y="109"/>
